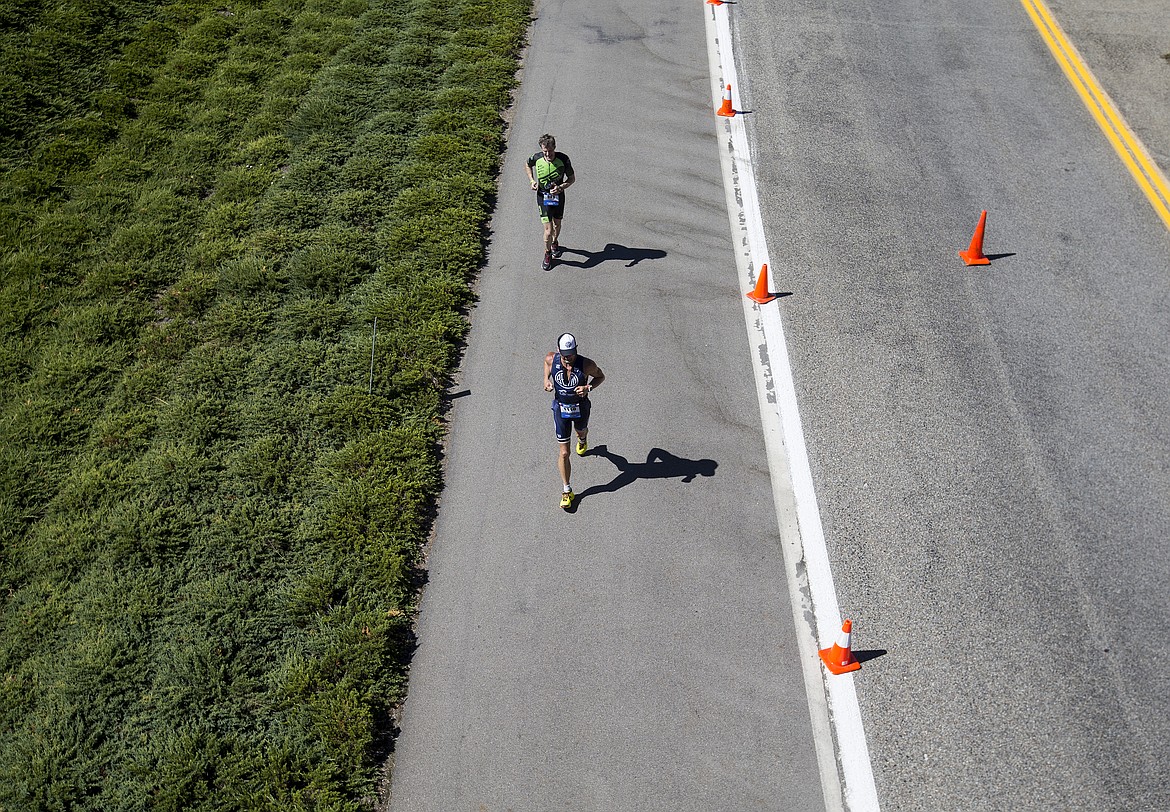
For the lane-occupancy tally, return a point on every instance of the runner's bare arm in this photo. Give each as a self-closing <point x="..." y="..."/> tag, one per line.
<point x="595" y="374"/>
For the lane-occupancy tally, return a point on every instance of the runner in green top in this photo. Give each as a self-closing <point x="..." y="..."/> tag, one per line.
<point x="550" y="173"/>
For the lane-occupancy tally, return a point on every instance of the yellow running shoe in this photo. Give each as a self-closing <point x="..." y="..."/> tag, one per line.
<point x="567" y="500"/>
<point x="582" y="447"/>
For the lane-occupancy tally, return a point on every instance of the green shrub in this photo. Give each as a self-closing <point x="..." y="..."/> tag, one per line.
<point x="312" y="317"/>
<point x="211" y="36"/>
<point x="190" y="295"/>
<point x="249" y="274"/>
<point x="228" y="220"/>
<point x="143" y="140"/>
<point x="267" y="152"/>
<point x="235" y="319"/>
<point x="228" y="106"/>
<point x="212" y="521"/>
<point x="123" y="435"/>
<point x="286" y="208"/>
<point x="327" y="269"/>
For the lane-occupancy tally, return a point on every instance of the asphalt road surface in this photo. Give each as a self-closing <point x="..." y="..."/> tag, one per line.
<point x="989" y="445"/>
<point x="638" y="653"/>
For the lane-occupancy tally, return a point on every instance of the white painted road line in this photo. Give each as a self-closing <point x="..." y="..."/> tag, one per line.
<point x="846" y="773"/>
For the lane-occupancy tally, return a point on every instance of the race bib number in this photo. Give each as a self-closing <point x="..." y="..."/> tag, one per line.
<point x="552" y="200"/>
<point x="570" y="410"/>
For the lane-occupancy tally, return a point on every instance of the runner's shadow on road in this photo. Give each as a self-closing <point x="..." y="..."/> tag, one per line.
<point x="659" y="464"/>
<point x="612" y="252"/>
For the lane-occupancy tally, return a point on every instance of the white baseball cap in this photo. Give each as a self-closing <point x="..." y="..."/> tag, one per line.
<point x="566" y="343"/>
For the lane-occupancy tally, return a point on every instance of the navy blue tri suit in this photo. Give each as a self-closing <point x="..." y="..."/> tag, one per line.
<point x="569" y="409"/>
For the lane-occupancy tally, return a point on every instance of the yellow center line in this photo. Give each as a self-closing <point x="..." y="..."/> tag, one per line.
<point x="1133" y="154"/>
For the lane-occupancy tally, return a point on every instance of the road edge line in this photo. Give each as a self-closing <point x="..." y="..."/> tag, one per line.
<point x="838" y="733"/>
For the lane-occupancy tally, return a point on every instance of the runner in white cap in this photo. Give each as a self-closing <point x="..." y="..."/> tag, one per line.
<point x="570" y="377"/>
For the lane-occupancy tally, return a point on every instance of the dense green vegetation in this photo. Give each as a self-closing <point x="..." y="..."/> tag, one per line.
<point x="210" y="523"/>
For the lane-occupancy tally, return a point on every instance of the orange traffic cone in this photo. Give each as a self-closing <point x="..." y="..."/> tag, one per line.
<point x="839" y="659"/>
<point x="714" y="2"/>
<point x="726" y="109"/>
<point x="761" y="294"/>
<point x="974" y="253"/>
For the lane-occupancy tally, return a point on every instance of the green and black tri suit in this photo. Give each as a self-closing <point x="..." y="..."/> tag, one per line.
<point x="548" y="174"/>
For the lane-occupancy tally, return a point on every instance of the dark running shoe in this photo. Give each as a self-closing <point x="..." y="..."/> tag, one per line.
<point x="557" y="250"/>
<point x="547" y="260"/>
